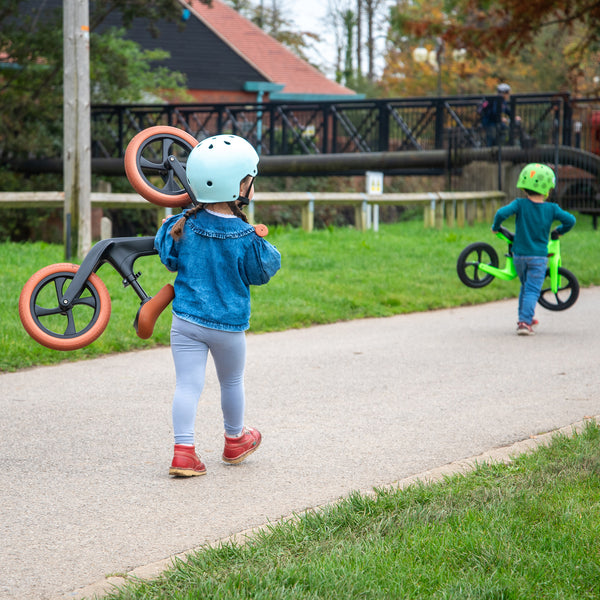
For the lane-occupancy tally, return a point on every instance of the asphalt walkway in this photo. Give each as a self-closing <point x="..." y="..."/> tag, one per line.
<point x="85" y="494"/>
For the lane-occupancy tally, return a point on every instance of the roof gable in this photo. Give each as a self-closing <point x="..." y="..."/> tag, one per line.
<point x="265" y="54"/>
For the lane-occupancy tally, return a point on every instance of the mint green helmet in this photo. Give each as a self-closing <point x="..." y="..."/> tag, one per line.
<point x="217" y="165"/>
<point x="537" y="178"/>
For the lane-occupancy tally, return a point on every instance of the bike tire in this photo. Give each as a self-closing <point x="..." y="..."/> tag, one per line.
<point x="467" y="265"/>
<point x="42" y="317"/>
<point x="146" y="156"/>
<point x="566" y="295"/>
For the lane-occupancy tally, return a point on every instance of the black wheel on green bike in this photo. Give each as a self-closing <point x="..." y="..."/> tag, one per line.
<point x="468" y="263"/>
<point x="565" y="296"/>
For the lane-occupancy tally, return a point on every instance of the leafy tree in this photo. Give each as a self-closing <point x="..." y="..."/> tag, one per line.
<point x="544" y="46"/>
<point x="126" y="73"/>
<point x="512" y="25"/>
<point x="31" y="73"/>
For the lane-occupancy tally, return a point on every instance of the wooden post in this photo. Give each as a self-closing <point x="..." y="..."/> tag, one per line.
<point x="451" y="213"/>
<point x="461" y="213"/>
<point x="360" y="216"/>
<point x="76" y="129"/>
<point x="439" y="214"/>
<point x="308" y="215"/>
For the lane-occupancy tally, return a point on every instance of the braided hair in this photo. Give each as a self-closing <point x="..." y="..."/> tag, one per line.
<point x="177" y="229"/>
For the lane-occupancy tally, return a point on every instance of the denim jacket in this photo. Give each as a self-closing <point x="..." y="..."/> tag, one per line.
<point x="217" y="260"/>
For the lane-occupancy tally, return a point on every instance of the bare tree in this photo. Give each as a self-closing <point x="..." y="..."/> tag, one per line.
<point x="359" y="37"/>
<point x="372" y="9"/>
<point x="342" y="20"/>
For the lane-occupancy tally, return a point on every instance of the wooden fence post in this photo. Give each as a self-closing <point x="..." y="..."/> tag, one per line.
<point x="308" y="214"/>
<point x="77" y="155"/>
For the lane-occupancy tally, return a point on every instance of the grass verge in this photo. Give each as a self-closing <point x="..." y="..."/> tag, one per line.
<point x="527" y="529"/>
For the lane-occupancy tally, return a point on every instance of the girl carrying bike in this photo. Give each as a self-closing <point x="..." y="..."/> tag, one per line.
<point x="534" y="218"/>
<point x="217" y="256"/>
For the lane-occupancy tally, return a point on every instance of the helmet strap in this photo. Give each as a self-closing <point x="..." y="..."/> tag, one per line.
<point x="244" y="200"/>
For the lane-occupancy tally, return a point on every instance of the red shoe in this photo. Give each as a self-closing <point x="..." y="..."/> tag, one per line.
<point x="186" y="462"/>
<point x="239" y="448"/>
<point x="525" y="329"/>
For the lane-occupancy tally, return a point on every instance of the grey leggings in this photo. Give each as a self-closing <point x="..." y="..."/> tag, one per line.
<point x="190" y="344"/>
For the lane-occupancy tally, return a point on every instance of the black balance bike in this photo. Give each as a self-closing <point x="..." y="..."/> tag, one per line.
<point x="66" y="306"/>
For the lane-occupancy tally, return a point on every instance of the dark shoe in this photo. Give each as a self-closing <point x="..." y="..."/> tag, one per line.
<point x="239" y="448"/>
<point x="524" y="329"/>
<point x="186" y="462"/>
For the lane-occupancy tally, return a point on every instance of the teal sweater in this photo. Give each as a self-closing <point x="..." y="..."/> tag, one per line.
<point x="533" y="223"/>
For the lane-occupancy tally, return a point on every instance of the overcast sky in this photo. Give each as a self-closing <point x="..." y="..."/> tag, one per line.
<point x="311" y="16"/>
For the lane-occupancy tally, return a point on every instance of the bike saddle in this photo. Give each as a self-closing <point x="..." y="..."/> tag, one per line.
<point x="261" y="230"/>
<point x="150" y="310"/>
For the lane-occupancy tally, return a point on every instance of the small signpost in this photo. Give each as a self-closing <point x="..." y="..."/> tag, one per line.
<point x="374" y="182"/>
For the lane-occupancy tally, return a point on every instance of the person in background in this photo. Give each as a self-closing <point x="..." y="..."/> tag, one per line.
<point x="496" y="116"/>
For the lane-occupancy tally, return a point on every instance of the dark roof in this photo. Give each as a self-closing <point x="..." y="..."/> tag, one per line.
<point x="208" y="62"/>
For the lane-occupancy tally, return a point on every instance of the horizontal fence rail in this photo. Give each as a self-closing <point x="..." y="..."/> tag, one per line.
<point x="453" y="208"/>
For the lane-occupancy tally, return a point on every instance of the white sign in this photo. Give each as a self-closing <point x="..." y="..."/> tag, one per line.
<point x="374" y="180"/>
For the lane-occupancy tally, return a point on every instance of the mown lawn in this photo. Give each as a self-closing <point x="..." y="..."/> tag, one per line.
<point x="327" y="276"/>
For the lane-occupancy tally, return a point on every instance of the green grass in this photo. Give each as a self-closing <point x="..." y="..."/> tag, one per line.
<point x="528" y="529"/>
<point x="327" y="276"/>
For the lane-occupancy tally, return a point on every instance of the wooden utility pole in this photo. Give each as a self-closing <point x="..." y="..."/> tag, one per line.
<point x="76" y="132"/>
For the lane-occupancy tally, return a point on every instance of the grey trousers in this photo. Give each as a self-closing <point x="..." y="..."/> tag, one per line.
<point x="190" y="345"/>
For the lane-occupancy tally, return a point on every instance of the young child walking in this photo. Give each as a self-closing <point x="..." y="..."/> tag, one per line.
<point x="534" y="219"/>
<point x="217" y="256"/>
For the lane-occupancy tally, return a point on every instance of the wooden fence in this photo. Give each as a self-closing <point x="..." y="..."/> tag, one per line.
<point x="439" y="208"/>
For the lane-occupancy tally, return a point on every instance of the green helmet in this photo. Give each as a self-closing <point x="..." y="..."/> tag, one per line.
<point x="217" y="165"/>
<point x="537" y="178"/>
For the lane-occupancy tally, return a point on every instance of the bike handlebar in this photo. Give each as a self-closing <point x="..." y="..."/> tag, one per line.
<point x="510" y="236"/>
<point x="506" y="233"/>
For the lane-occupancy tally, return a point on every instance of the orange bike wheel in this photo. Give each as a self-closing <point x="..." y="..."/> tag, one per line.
<point x="50" y="325"/>
<point x="147" y="156"/>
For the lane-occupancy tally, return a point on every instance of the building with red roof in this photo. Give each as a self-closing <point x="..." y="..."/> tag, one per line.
<point x="266" y="64"/>
<point x="226" y="58"/>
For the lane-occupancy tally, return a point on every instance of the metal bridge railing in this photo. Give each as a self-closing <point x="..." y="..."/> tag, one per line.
<point x="380" y="125"/>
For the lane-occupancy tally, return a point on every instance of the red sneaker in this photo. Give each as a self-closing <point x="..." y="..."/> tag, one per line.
<point x="186" y="462"/>
<point x="524" y="329"/>
<point x="239" y="448"/>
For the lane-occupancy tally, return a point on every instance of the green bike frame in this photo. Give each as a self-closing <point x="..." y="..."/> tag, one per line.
<point x="509" y="272"/>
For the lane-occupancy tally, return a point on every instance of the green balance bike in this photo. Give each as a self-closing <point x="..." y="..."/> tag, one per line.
<point x="477" y="266"/>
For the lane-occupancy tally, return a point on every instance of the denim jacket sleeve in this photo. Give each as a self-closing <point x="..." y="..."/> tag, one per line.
<point x="261" y="262"/>
<point x="167" y="247"/>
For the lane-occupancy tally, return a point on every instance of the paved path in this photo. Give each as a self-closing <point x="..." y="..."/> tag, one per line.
<point x="85" y="447"/>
